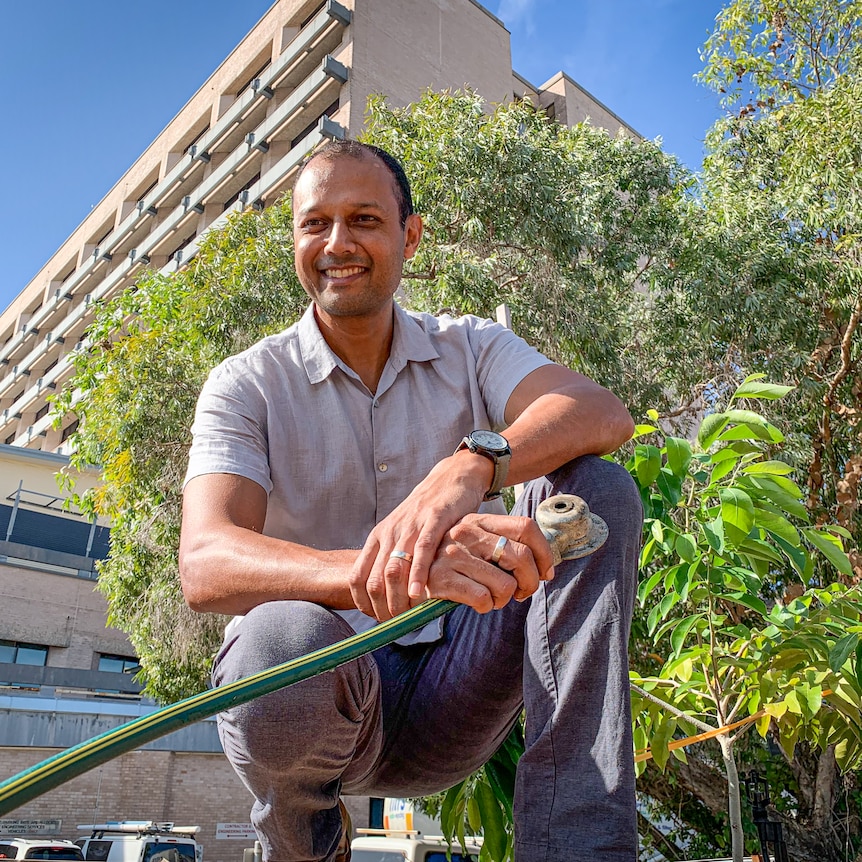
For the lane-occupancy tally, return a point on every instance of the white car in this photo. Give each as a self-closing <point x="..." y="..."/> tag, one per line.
<point x="409" y="847"/>
<point x="38" y="848"/>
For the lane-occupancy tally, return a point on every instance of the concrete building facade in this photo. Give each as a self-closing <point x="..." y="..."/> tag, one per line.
<point x="303" y="74"/>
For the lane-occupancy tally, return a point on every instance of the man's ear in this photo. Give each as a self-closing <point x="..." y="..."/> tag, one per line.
<point x="412" y="235"/>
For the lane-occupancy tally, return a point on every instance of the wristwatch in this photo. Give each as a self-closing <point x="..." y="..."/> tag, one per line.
<point x="496" y="447"/>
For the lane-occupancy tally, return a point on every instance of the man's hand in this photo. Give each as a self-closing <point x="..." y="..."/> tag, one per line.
<point x="462" y="570"/>
<point x="384" y="586"/>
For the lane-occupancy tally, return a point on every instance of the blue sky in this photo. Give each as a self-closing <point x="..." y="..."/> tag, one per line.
<point x="85" y="87"/>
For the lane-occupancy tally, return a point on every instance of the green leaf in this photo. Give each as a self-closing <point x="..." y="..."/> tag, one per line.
<point x="767" y="486"/>
<point x="777" y="468"/>
<point x="767" y="391"/>
<point x="474" y="818"/>
<point x="831" y="548"/>
<point x="680" y="633"/>
<point x="450" y="810"/>
<point x="760" y="550"/>
<point x="686" y="547"/>
<point x="722" y="468"/>
<point x="714" y="532"/>
<point x="791" y="701"/>
<point x="841" y="651"/>
<point x="753" y="602"/>
<point x="678" y="455"/>
<point x="647" y="586"/>
<point x="737" y="514"/>
<point x="710" y="428"/>
<point x="647" y="463"/>
<point x="669" y="485"/>
<point x="493" y="822"/>
<point x="660" y="740"/>
<point x="777" y="526"/>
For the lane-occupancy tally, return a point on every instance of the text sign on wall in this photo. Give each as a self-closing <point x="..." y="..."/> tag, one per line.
<point x="239" y="831"/>
<point x="30" y="827"/>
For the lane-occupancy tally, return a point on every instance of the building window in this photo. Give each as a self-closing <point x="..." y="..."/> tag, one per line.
<point x="118" y="664"/>
<point x="13" y="652"/>
<point x="42" y="411"/>
<point x="10" y="438"/>
<point x="69" y="430"/>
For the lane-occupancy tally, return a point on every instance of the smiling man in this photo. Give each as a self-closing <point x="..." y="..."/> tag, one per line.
<point x="350" y="467"/>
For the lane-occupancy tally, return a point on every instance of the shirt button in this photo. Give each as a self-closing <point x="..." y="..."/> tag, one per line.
<point x="382" y="467"/>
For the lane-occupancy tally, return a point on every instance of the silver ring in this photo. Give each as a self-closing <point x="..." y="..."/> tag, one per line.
<point x="498" y="549"/>
<point x="401" y="555"/>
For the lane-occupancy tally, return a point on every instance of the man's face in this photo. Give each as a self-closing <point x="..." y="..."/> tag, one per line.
<point x="349" y="243"/>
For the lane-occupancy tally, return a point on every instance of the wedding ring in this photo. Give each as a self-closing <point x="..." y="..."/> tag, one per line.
<point x="401" y="555"/>
<point x="498" y="549"/>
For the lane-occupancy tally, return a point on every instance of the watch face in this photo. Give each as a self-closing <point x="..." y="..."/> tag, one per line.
<point x="490" y="440"/>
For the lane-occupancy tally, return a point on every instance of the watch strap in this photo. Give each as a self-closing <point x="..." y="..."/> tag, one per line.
<point x="500" y="461"/>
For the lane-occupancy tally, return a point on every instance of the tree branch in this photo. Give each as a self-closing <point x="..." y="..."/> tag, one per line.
<point x="672" y="709"/>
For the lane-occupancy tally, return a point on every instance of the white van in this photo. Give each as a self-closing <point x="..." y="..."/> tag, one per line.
<point x="380" y="845"/>
<point x="140" y="841"/>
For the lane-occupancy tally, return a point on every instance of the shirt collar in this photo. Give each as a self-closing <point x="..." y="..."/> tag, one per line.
<point x="410" y="342"/>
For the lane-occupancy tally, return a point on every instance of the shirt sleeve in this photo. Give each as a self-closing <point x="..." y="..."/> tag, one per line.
<point x="229" y="433"/>
<point x="503" y="360"/>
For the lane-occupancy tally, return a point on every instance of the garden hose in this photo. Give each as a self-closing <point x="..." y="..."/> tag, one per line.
<point x="565" y="521"/>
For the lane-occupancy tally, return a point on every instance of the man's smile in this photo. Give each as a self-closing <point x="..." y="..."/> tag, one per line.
<point x="344" y="272"/>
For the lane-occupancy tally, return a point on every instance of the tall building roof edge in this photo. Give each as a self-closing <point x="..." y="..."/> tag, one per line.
<point x="490" y="14"/>
<point x="566" y="76"/>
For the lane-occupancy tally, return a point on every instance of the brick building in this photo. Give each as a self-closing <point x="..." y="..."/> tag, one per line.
<point x="301" y="75"/>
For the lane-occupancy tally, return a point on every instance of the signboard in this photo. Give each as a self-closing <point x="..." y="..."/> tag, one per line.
<point x="398" y="815"/>
<point x="238" y="831"/>
<point x="30" y="827"/>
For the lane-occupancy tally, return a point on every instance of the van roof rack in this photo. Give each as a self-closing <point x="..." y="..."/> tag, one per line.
<point x="137" y="827"/>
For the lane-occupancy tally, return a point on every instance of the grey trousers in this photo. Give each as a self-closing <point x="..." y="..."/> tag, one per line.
<point x="412" y="720"/>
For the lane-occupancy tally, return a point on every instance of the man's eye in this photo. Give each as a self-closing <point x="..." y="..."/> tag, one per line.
<point x="366" y="218"/>
<point x="313" y="223"/>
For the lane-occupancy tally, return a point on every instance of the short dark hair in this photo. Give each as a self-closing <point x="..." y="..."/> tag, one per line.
<point x="358" y="150"/>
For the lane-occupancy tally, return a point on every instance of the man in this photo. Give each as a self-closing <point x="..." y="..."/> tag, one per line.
<point x="343" y="471"/>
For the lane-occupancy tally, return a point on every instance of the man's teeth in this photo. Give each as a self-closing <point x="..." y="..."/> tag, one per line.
<point x="344" y="273"/>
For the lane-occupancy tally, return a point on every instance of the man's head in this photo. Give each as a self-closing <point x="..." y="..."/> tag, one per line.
<point x="353" y="228"/>
<point x="357" y="150"/>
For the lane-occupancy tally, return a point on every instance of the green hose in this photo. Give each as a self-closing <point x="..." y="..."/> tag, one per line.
<point x="88" y="755"/>
<point x="566" y="523"/>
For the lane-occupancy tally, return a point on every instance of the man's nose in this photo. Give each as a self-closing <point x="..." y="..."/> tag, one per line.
<point x="340" y="238"/>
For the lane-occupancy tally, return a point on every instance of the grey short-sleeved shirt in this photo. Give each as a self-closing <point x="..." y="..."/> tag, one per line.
<point x="334" y="458"/>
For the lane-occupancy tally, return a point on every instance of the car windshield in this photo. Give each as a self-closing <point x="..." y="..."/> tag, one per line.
<point x="169" y="852"/>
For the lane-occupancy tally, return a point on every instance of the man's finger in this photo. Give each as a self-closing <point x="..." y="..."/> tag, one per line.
<point x="424" y="551"/>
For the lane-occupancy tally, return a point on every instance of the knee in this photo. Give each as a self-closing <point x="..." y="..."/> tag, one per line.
<point x="276" y="632"/>
<point x="606" y="486"/>
<point x="268" y="636"/>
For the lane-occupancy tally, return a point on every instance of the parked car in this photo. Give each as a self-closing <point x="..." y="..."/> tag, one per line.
<point x="12" y="847"/>
<point x="140" y="841"/>
<point x="378" y="845"/>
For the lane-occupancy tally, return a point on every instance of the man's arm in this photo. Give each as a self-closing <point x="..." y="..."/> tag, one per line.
<point x="227" y="566"/>
<point x="554" y="415"/>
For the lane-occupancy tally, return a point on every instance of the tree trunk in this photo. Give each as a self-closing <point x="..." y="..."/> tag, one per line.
<point x="734" y="805"/>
